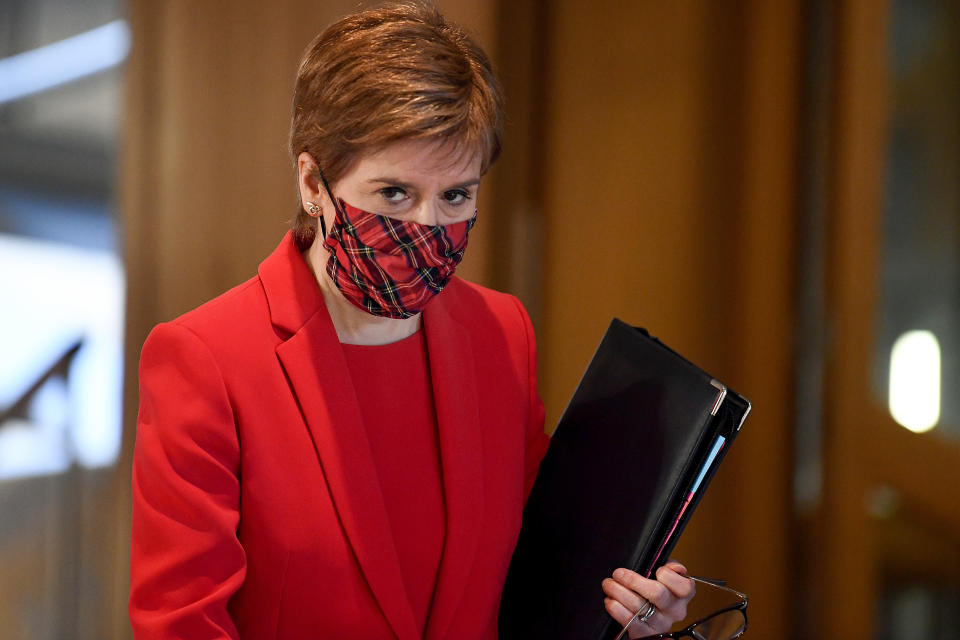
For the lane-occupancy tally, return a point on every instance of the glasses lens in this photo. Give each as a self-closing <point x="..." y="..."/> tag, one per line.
<point x="723" y="626"/>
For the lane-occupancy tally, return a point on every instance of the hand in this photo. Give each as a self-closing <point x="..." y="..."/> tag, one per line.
<point x="670" y="593"/>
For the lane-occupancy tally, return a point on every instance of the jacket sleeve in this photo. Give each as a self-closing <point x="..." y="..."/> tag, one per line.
<point x="537" y="440"/>
<point x="185" y="559"/>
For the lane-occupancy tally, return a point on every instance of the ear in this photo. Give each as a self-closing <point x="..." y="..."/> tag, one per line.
<point x="311" y="188"/>
<point x="308" y="179"/>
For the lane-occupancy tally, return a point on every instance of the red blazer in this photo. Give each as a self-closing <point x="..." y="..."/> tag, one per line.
<point x="257" y="511"/>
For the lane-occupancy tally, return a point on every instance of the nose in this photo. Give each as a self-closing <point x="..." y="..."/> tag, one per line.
<point x="426" y="213"/>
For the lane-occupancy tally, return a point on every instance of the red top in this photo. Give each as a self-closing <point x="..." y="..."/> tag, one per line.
<point x="396" y="402"/>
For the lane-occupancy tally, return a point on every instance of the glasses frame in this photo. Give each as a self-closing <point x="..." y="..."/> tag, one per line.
<point x="687" y="632"/>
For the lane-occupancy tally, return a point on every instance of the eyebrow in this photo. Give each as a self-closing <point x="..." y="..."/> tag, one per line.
<point x="406" y="185"/>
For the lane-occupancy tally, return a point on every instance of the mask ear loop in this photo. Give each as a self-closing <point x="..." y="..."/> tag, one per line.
<point x="323" y="226"/>
<point x="336" y="205"/>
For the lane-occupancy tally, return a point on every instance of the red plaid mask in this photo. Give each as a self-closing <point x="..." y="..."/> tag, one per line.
<point x="392" y="268"/>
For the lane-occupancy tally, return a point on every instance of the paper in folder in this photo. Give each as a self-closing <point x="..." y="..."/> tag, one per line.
<point x="630" y="459"/>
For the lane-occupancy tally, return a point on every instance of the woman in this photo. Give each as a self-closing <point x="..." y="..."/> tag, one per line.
<point x="341" y="446"/>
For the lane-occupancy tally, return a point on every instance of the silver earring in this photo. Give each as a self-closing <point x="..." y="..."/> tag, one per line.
<point x="313" y="209"/>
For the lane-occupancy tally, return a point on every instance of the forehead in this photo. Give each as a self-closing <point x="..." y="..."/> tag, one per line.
<point x="424" y="160"/>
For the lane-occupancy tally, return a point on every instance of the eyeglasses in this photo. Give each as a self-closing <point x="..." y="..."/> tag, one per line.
<point x="724" y="624"/>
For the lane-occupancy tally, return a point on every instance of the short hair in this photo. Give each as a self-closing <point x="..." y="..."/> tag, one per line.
<point x="397" y="72"/>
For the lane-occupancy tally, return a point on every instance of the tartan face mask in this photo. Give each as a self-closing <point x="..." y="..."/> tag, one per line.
<point x="392" y="268"/>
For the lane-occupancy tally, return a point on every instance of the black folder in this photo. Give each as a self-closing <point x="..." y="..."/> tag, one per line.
<point x="634" y="451"/>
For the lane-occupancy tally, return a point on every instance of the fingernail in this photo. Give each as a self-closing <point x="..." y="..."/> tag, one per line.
<point x="619" y="574"/>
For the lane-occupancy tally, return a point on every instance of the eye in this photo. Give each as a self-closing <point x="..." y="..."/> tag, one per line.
<point x="456" y="196"/>
<point x="393" y="195"/>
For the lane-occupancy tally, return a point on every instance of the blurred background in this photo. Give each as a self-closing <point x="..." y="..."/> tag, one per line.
<point x="771" y="187"/>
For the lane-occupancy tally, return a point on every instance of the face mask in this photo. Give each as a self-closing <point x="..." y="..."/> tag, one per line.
<point x="392" y="268"/>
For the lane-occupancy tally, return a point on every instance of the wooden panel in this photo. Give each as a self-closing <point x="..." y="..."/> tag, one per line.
<point x="896" y="456"/>
<point x="762" y="308"/>
<point x="845" y="576"/>
<point x="516" y="254"/>
<point x="629" y="231"/>
<point x="914" y="548"/>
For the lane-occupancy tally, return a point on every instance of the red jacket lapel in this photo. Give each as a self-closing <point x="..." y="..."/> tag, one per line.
<point x="319" y="377"/>
<point x="455" y="394"/>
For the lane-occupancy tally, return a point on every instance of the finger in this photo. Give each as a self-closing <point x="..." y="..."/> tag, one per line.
<point x="672" y="608"/>
<point x="681" y="586"/>
<point x="652" y="590"/>
<point x="617" y="611"/>
<point x="677" y="566"/>
<point x="657" y="623"/>
<point x="628" y="598"/>
<point x="681" y="590"/>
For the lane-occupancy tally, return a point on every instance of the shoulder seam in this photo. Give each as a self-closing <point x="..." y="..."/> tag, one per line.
<point x="219" y="300"/>
<point x="216" y="365"/>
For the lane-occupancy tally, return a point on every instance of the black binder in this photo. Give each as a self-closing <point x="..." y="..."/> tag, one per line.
<point x="633" y="453"/>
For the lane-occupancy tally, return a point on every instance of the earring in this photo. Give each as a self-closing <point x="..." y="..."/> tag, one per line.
<point x="313" y="209"/>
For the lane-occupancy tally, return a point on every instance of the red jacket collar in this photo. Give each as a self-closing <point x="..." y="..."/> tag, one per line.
<point x="293" y="295"/>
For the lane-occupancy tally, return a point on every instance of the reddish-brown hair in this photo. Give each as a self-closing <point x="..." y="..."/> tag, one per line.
<point x="397" y="72"/>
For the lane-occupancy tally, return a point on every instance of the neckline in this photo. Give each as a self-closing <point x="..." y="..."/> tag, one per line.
<point x="414" y="338"/>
